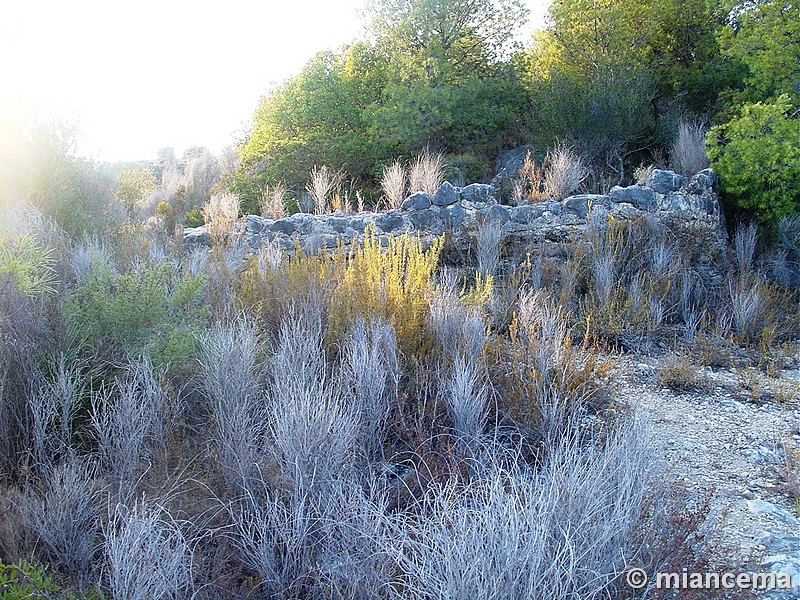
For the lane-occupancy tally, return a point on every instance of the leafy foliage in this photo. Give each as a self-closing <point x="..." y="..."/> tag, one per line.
<point x="25" y="262"/>
<point x="152" y="310"/>
<point x="765" y="38"/>
<point x="757" y="156"/>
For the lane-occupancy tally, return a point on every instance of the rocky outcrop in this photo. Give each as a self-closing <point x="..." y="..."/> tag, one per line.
<point x="462" y="211"/>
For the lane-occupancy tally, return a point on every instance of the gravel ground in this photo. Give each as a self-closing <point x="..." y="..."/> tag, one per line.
<point x="729" y="437"/>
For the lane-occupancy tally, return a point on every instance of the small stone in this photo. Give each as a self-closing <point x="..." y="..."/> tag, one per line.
<point x="197" y="236"/>
<point x="579" y="205"/>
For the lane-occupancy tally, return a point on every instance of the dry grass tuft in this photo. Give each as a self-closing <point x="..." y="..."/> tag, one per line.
<point x="324" y="183"/>
<point x="689" y="149"/>
<point x="532" y="179"/>
<point x="679" y="374"/>
<point x="393" y="184"/>
<point x="220" y="214"/>
<point x="273" y="201"/>
<point x="426" y="172"/>
<point x="564" y="172"/>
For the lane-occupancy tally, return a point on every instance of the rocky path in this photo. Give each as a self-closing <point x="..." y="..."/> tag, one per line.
<point x="731" y="437"/>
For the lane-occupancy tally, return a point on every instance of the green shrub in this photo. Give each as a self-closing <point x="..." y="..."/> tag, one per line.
<point x="152" y="310"/>
<point x="27" y="264"/>
<point x="757" y="157"/>
<point x="194" y="218"/>
<point x="24" y="581"/>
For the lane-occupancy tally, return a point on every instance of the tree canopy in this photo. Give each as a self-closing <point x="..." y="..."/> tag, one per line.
<point x="613" y="78"/>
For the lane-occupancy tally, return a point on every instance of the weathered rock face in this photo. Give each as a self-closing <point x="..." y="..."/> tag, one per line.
<point x="462" y="211"/>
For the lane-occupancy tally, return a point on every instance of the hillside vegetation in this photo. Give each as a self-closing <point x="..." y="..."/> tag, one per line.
<point x="430" y="417"/>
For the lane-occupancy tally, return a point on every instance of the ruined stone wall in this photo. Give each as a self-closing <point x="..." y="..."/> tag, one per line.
<point x="692" y="203"/>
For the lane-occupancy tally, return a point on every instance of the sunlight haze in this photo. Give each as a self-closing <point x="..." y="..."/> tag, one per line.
<point x="135" y="77"/>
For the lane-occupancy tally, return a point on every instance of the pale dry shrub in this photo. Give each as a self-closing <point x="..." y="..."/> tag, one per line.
<point x="341" y="201"/>
<point x="642" y="174"/>
<point x="564" y="172"/>
<point x="568" y="530"/>
<point x="270" y="257"/>
<point x="465" y="395"/>
<point x="745" y="301"/>
<point x="744" y="245"/>
<point x="199" y="176"/>
<point x="90" y="256"/>
<point x="604" y="275"/>
<point x="128" y="419"/>
<point x="689" y="149"/>
<point x="301" y="544"/>
<point x="324" y="182"/>
<point x="312" y="421"/>
<point x="275" y="538"/>
<point x="273" y="201"/>
<point x="426" y="172"/>
<point x="229" y="379"/>
<point x="541" y="325"/>
<point x="149" y="556"/>
<point x="490" y="234"/>
<point x="459" y="327"/>
<point x="679" y="374"/>
<point x="371" y="366"/>
<point x="65" y="517"/>
<point x="221" y="214"/>
<point x="53" y="406"/>
<point x="393" y="184"/>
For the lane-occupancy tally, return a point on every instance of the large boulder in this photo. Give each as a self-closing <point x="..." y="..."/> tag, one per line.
<point x="418" y="201"/>
<point x="665" y="182"/>
<point x="446" y="195"/>
<point x="643" y="198"/>
<point x="478" y="192"/>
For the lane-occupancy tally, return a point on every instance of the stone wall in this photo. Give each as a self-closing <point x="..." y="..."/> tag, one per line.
<point x="692" y="202"/>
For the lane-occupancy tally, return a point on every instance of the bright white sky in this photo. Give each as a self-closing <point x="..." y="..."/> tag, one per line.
<point x="138" y="75"/>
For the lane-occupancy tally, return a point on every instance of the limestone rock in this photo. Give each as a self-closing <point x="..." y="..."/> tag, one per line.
<point x="418" y="201"/>
<point x="446" y="195"/>
<point x="664" y="182"/>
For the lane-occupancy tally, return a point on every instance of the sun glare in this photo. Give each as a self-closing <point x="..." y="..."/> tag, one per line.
<point x="134" y="77"/>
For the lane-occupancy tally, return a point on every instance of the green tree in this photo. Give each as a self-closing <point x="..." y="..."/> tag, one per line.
<point x="757" y="157"/>
<point x="764" y="36"/>
<point x="588" y="78"/>
<point x="318" y="117"/>
<point x="445" y="40"/>
<point x="449" y="86"/>
<point x="615" y="75"/>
